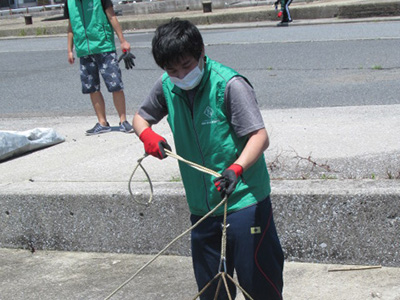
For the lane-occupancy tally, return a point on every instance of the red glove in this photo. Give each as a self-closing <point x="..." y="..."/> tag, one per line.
<point x="154" y="144"/>
<point x="227" y="182"/>
<point x="280" y="14"/>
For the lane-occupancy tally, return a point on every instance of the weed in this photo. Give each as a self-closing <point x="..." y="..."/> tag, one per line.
<point x="392" y="176"/>
<point x="176" y="179"/>
<point x="324" y="176"/>
<point x="276" y="164"/>
<point x="40" y="31"/>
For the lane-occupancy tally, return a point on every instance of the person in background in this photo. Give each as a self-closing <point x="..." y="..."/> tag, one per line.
<point x="284" y="12"/>
<point x="91" y="29"/>
<point x="215" y="120"/>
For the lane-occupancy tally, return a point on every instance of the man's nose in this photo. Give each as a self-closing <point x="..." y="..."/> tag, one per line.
<point x="182" y="74"/>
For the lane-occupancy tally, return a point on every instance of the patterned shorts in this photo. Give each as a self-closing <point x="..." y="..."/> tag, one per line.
<point x="107" y="65"/>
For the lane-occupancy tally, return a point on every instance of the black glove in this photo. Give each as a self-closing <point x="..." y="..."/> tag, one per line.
<point x="162" y="146"/>
<point x="227" y="182"/>
<point x="128" y="59"/>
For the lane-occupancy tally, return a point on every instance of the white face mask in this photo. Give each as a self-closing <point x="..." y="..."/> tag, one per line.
<point x="191" y="80"/>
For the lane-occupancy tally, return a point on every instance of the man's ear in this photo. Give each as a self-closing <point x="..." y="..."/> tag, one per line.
<point x="203" y="53"/>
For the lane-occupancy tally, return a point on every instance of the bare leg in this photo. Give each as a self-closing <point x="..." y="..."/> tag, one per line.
<point x="99" y="107"/>
<point x="119" y="103"/>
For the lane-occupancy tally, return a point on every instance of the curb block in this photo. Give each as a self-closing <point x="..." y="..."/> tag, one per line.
<point x="328" y="221"/>
<point x="230" y="16"/>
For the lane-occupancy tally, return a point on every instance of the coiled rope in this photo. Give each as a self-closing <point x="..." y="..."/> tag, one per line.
<point x="222" y="272"/>
<point x="173" y="155"/>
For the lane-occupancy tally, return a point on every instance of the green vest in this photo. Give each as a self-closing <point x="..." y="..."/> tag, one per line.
<point x="207" y="138"/>
<point x="92" y="30"/>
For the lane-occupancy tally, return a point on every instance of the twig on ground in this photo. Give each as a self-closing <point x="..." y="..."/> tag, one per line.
<point x="313" y="163"/>
<point x="360" y="268"/>
<point x="276" y="163"/>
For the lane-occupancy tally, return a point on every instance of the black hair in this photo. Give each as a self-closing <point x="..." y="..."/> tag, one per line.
<point x="174" y="40"/>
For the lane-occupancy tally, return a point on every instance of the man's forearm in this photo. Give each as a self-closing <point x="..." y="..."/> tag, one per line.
<point x="139" y="124"/>
<point x="118" y="30"/>
<point x="70" y="38"/>
<point x="70" y="42"/>
<point x="125" y="46"/>
<point x="115" y="24"/>
<point x="256" y="145"/>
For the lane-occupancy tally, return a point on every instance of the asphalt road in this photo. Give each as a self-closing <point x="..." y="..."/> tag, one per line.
<point x="310" y="66"/>
<point x="297" y="67"/>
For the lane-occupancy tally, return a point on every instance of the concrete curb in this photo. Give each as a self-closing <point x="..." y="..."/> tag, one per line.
<point x="329" y="221"/>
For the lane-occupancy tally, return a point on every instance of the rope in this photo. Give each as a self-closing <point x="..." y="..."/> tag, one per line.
<point x="223" y="242"/>
<point x="173" y="155"/>
<point x="222" y="274"/>
<point x="139" y="164"/>
<point x="165" y="248"/>
<point x="194" y="165"/>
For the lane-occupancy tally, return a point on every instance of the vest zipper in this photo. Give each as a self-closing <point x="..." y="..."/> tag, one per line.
<point x="191" y="108"/>
<point x="84" y="26"/>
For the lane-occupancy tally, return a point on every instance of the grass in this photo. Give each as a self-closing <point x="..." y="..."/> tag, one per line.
<point x="41" y="31"/>
<point x="175" y="179"/>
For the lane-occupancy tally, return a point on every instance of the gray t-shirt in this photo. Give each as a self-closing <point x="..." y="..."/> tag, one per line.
<point x="240" y="99"/>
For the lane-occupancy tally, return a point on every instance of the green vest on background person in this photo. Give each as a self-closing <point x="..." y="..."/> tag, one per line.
<point x="205" y="137"/>
<point x="93" y="33"/>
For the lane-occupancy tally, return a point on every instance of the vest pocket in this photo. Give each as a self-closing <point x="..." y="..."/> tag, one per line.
<point x="105" y="32"/>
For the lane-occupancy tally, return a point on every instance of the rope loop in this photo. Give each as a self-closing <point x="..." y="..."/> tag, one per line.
<point x="173" y="155"/>
<point x="139" y="164"/>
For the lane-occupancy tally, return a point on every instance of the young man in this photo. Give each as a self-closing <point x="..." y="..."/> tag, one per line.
<point x="213" y="114"/>
<point x="91" y="29"/>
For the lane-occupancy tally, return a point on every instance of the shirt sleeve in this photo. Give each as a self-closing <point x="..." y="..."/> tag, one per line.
<point x="154" y="107"/>
<point x="242" y="107"/>
<point x="106" y="4"/>
<point x="66" y="12"/>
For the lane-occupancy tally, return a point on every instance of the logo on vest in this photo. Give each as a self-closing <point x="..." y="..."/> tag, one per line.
<point x="209" y="112"/>
<point x="90" y="5"/>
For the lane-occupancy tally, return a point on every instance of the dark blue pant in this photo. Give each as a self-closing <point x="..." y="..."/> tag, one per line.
<point x="286" y="12"/>
<point x="253" y="250"/>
